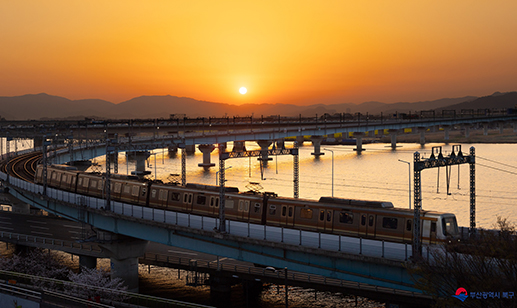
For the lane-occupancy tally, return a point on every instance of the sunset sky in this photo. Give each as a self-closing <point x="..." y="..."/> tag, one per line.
<point x="298" y="52"/>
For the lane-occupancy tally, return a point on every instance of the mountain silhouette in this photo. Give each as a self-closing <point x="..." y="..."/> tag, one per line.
<point x="45" y="106"/>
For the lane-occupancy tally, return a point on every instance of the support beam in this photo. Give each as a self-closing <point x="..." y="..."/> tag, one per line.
<point x="300" y="140"/>
<point x="172" y="149"/>
<point x="88" y="262"/>
<point x="140" y="157"/>
<point x="206" y="149"/>
<point x="358" y="142"/>
<point x="190" y="149"/>
<point x="316" y="142"/>
<point x="280" y="143"/>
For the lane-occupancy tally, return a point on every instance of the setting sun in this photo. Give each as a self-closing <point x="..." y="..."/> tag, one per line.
<point x="243" y="90"/>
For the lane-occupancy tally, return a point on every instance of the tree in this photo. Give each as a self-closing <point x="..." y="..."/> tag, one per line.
<point x="96" y="282"/>
<point x="486" y="263"/>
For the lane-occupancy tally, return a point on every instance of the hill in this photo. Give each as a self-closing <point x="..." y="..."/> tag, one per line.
<point x="38" y="106"/>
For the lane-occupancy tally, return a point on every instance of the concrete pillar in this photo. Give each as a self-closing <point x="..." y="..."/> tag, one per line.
<point x="87" y="262"/>
<point x="38" y="142"/>
<point x="485" y="129"/>
<point x="393" y="135"/>
<point x="300" y="140"/>
<point x="124" y="253"/>
<point x="264" y="146"/>
<point x="140" y="157"/>
<point x="501" y="127"/>
<point x="316" y="142"/>
<point x="446" y="129"/>
<point x="467" y="131"/>
<point x="358" y="142"/>
<point x="238" y="146"/>
<point x="190" y="149"/>
<point x="422" y="131"/>
<point x="206" y="149"/>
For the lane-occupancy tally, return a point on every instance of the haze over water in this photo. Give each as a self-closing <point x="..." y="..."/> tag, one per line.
<point x="376" y="174"/>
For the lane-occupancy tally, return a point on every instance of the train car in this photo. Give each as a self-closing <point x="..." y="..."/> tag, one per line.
<point x="347" y="217"/>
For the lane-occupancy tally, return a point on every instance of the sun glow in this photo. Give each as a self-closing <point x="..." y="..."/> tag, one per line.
<point x="243" y="90"/>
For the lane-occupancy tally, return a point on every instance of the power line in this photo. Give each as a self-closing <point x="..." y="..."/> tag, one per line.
<point x="493" y="161"/>
<point x="494" y="168"/>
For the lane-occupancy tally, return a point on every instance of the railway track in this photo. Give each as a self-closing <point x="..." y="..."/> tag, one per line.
<point x="22" y="166"/>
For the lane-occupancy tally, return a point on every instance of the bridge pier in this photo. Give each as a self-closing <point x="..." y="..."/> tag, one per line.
<point x="393" y="135"/>
<point x="238" y="146"/>
<point x="467" y="131"/>
<point x="300" y="140"/>
<point x="220" y="288"/>
<point x="206" y="149"/>
<point x="264" y="146"/>
<point x="140" y="157"/>
<point x="280" y="144"/>
<point x="316" y="142"/>
<point x="422" y="131"/>
<point x="446" y="129"/>
<point x="172" y="149"/>
<point x="358" y="142"/>
<point x="485" y="129"/>
<point x="190" y="149"/>
<point x="87" y="262"/>
<point x="124" y="253"/>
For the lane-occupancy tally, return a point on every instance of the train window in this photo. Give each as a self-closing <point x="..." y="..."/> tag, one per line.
<point x="189" y="198"/>
<point x="389" y="223"/>
<point x="433" y="226"/>
<point x="284" y="210"/>
<point x="86" y="182"/>
<point x="322" y="215"/>
<point x="247" y="206"/>
<point x="93" y="183"/>
<point x="241" y="206"/>
<point x="127" y="189"/>
<point x="212" y="202"/>
<point x="370" y="221"/>
<point x="346" y="217"/>
<point x="100" y="186"/>
<point x="217" y="202"/>
<point x="175" y="196"/>
<point x="306" y="213"/>
<point x="117" y="187"/>
<point x="53" y="175"/>
<point x="135" y="190"/>
<point x="185" y="198"/>
<point x="329" y="215"/>
<point x="363" y="220"/>
<point x="80" y="181"/>
<point x="408" y="225"/>
<point x="64" y="178"/>
<point x="228" y="204"/>
<point x="163" y="195"/>
<point x="144" y="191"/>
<point x="290" y="211"/>
<point x="272" y="209"/>
<point x="201" y="199"/>
<point x="257" y="207"/>
<point x="153" y="193"/>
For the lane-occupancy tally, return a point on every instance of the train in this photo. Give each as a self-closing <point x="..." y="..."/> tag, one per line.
<point x="348" y="217"/>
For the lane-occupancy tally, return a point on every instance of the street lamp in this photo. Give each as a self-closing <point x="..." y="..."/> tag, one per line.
<point x="217" y="172"/>
<point x="409" y="179"/>
<point x="332" y="169"/>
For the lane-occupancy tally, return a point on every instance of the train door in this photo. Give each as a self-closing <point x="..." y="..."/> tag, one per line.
<point x="370" y="225"/>
<point x="287" y="215"/>
<point x="325" y="220"/>
<point x="187" y="201"/>
<point x="362" y="225"/>
<point x="432" y="234"/>
<point x="408" y="230"/>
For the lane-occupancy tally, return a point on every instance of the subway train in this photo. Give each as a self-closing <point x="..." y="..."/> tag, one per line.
<point x="347" y="217"/>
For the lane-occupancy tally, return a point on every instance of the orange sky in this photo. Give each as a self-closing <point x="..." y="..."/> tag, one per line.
<point x="297" y="52"/>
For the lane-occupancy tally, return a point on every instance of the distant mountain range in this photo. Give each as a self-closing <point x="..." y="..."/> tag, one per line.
<point x="44" y="106"/>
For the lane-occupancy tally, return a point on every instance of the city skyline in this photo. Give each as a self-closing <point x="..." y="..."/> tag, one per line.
<point x="290" y="52"/>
